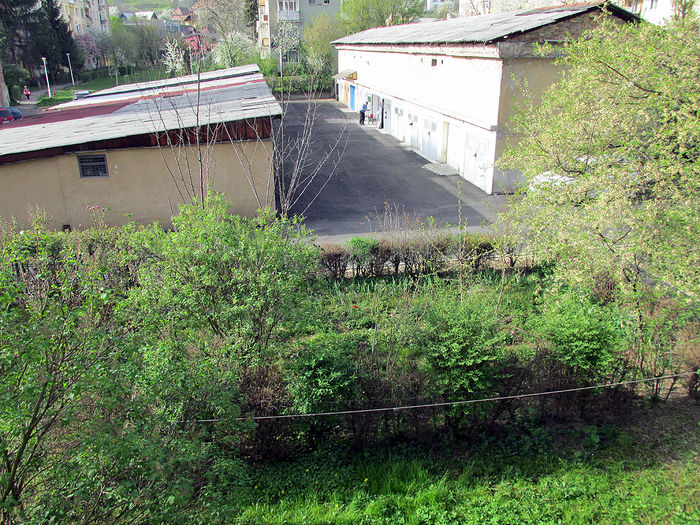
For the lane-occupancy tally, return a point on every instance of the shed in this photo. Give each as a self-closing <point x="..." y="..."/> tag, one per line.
<point x="136" y="150"/>
<point x="448" y="88"/>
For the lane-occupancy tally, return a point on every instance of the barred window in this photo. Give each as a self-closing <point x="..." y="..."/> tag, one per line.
<point x="93" y="165"/>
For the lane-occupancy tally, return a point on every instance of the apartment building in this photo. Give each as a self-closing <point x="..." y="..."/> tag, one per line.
<point x="294" y="15"/>
<point x="84" y="16"/>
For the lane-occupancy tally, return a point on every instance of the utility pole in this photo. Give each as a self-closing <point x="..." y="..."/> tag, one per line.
<point x="71" y="69"/>
<point x="46" y="72"/>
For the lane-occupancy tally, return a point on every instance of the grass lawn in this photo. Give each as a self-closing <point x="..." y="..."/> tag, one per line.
<point x="644" y="470"/>
<point x="66" y="95"/>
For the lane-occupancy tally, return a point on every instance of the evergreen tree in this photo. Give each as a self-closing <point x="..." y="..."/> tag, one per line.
<point x="52" y="39"/>
<point x="15" y="16"/>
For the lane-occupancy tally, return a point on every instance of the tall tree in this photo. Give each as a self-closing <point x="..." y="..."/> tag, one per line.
<point x="4" y="93"/>
<point x="611" y="161"/>
<point x="15" y="15"/>
<point x="225" y="17"/>
<point x="317" y="39"/>
<point x="358" y="15"/>
<point x="52" y="39"/>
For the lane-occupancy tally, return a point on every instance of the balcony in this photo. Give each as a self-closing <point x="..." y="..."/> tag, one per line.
<point x="288" y="15"/>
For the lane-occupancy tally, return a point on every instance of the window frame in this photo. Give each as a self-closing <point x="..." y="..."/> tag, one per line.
<point x="96" y="162"/>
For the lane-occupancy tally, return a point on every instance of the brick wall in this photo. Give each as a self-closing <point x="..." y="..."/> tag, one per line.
<point x="558" y="31"/>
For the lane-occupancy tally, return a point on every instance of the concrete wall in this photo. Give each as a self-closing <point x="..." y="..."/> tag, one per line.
<point x="537" y="74"/>
<point x="460" y="86"/>
<point x="138" y="188"/>
<point x="310" y="11"/>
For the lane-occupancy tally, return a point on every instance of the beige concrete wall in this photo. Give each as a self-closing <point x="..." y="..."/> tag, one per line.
<point x="139" y="186"/>
<point x="538" y="74"/>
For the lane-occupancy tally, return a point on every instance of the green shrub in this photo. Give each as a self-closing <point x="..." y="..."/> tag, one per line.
<point x="362" y="250"/>
<point x="463" y="349"/>
<point x="325" y="378"/>
<point x="15" y="79"/>
<point x="581" y="335"/>
<point x="237" y="279"/>
<point x="473" y="250"/>
<point x="268" y="66"/>
<point x="298" y="84"/>
<point x="324" y="375"/>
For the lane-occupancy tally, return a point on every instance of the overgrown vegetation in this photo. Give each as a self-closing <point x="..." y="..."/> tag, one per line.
<point x="134" y="360"/>
<point x="229" y="371"/>
<point x="610" y="161"/>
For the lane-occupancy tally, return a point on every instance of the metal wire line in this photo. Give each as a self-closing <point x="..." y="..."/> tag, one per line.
<point x="447" y="403"/>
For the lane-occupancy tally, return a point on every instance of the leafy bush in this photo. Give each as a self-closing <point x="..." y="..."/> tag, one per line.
<point x="362" y="252"/>
<point x="268" y="65"/>
<point x="462" y="344"/>
<point x="325" y="376"/>
<point x="579" y="334"/>
<point x="58" y="337"/>
<point x="298" y="84"/>
<point x="238" y="278"/>
<point x="15" y="79"/>
<point x="471" y="250"/>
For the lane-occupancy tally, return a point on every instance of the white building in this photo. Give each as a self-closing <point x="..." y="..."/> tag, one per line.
<point x="655" y="11"/>
<point x="448" y="88"/>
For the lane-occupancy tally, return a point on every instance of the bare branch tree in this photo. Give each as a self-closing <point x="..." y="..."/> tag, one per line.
<point x="187" y="150"/>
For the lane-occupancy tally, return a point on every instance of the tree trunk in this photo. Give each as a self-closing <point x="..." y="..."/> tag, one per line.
<point x="4" y="93"/>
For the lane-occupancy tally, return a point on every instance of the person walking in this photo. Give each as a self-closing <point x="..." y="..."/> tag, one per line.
<point x="363" y="110"/>
<point x="26" y="92"/>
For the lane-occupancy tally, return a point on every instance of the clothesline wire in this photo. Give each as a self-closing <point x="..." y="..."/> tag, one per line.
<point x="448" y="403"/>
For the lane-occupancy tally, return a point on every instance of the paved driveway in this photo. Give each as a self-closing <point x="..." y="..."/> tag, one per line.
<point x="376" y="169"/>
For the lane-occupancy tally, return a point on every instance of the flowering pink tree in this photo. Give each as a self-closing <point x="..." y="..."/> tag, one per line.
<point x="86" y="43"/>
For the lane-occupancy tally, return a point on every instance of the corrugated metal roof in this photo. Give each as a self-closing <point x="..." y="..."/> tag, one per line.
<point x="344" y="74"/>
<point x="475" y="29"/>
<point x="152" y="107"/>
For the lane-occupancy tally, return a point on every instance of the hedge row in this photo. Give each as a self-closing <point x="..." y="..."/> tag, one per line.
<point x="411" y="253"/>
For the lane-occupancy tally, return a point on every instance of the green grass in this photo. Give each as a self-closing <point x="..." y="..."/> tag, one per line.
<point x="66" y="95"/>
<point x="645" y="470"/>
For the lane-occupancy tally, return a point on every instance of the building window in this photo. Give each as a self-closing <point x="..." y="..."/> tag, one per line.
<point x="92" y="165"/>
<point x="433" y="62"/>
<point x="288" y="5"/>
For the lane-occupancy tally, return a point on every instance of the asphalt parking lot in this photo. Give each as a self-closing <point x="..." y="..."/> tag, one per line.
<point x="375" y="169"/>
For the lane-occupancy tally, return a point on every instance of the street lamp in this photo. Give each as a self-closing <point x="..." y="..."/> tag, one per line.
<point x="46" y="72"/>
<point x="71" y="69"/>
